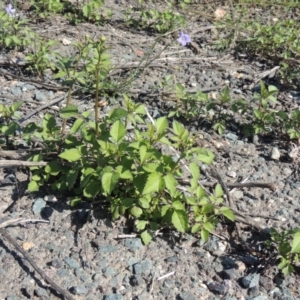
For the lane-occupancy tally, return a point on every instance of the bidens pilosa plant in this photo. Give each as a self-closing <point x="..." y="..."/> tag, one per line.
<point x="130" y="167"/>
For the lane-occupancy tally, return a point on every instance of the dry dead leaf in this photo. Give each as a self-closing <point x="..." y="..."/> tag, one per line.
<point x="237" y="75"/>
<point x="27" y="246"/>
<point x="66" y="42"/>
<point x="219" y="13"/>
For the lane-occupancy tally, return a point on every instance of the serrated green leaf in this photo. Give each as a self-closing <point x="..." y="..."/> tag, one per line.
<point x="72" y="176"/>
<point x="151" y="167"/>
<point x="196" y="228"/>
<point x="146" y="237"/>
<point x="208" y="226"/>
<point x="53" y="168"/>
<point x="92" y="189"/>
<point x="69" y="111"/>
<point x="228" y="213"/>
<point x="296" y="243"/>
<point x="153" y="184"/>
<point x="36" y="178"/>
<point x="178" y="128"/>
<point x="195" y="171"/>
<point x="78" y="124"/>
<point x="171" y="184"/>
<point x="178" y="205"/>
<point x="141" y="224"/>
<point x="218" y="191"/>
<point x="191" y="201"/>
<point x="143" y="154"/>
<point x="117" y="131"/>
<point x="86" y="114"/>
<point x="16" y="106"/>
<point x="206" y="156"/>
<point x="161" y="124"/>
<point x="117" y="114"/>
<point x="136" y="211"/>
<point x="143" y="202"/>
<point x="109" y="181"/>
<point x="204" y="235"/>
<point x="200" y="192"/>
<point x="140" y="109"/>
<point x="288" y="269"/>
<point x="71" y="154"/>
<point x="165" y="141"/>
<point x="33" y="186"/>
<point x="180" y="220"/>
<point x="207" y="208"/>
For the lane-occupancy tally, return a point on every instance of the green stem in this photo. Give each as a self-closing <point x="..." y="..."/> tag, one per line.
<point x="97" y="93"/>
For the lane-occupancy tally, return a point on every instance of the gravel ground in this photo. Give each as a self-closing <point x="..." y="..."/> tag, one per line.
<point x="93" y="258"/>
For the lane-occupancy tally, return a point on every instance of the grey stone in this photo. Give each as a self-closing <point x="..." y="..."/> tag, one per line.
<point x="102" y="263"/>
<point x="57" y="263"/>
<point x="186" y="296"/>
<point x="254" y="291"/>
<point x="275" y="153"/>
<point x="231" y="274"/>
<point x="171" y="259"/>
<point x="38" y="206"/>
<point x="115" y="281"/>
<point x="142" y="267"/>
<point x="251" y="280"/>
<point x="131" y="261"/>
<point x="238" y="194"/>
<point x="228" y="262"/>
<point x="80" y="274"/>
<point x="39" y="96"/>
<point x="79" y="290"/>
<point x="266" y="283"/>
<point x="40" y="292"/>
<point x="12" y="298"/>
<point x="107" y="249"/>
<point x="258" y="298"/>
<point x="112" y="297"/>
<point x="133" y="244"/>
<point x="287" y="171"/>
<point x="63" y="273"/>
<point x="29" y="87"/>
<point x="232" y="136"/>
<point x="137" y="280"/>
<point x="255" y="139"/>
<point x="72" y="263"/>
<point x="219" y="288"/>
<point x="96" y="276"/>
<point x="109" y="271"/>
<point x="16" y="91"/>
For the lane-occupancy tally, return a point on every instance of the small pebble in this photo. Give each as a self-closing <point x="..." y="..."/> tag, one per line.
<point x="275" y="154"/>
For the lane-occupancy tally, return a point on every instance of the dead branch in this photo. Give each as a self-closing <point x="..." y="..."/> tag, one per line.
<point x="66" y="294"/>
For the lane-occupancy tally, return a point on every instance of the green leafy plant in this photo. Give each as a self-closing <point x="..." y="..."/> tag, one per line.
<point x="90" y="11"/>
<point x="13" y="32"/>
<point x="43" y="8"/>
<point x="128" y="169"/>
<point x="161" y="22"/>
<point x="287" y="245"/>
<point x="41" y="55"/>
<point x="8" y="126"/>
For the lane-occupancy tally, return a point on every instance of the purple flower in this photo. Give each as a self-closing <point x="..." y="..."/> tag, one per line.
<point x="184" y="38"/>
<point x="10" y="10"/>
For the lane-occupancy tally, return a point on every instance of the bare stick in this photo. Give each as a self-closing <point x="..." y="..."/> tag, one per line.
<point x="165" y="276"/>
<point x="66" y="294"/>
<point x="20" y="221"/>
<point x="20" y="163"/>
